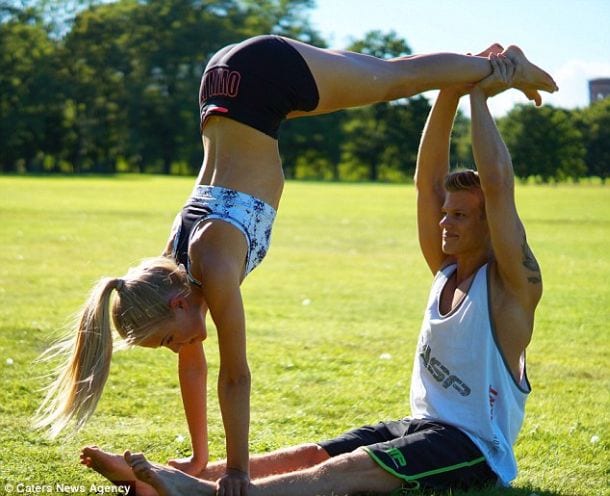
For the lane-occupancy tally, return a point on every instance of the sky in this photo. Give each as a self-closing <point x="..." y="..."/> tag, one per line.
<point x="570" y="39"/>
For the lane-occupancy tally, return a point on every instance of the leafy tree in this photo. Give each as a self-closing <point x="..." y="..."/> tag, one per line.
<point x="382" y="139"/>
<point x="171" y="44"/>
<point x="56" y="15"/>
<point x="133" y="70"/>
<point x="97" y="63"/>
<point x="381" y="45"/>
<point x="126" y="75"/>
<point x="311" y="147"/>
<point x="543" y="142"/>
<point x="29" y="110"/>
<point x="366" y="131"/>
<point x="461" y="142"/>
<point x="594" y="123"/>
<point x="88" y="84"/>
<point x="406" y="125"/>
<point x="283" y="17"/>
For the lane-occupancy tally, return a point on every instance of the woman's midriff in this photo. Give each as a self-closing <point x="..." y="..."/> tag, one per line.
<point x="239" y="157"/>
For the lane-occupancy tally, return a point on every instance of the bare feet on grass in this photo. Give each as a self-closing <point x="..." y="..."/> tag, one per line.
<point x="167" y="481"/>
<point x="529" y="78"/>
<point x="114" y="468"/>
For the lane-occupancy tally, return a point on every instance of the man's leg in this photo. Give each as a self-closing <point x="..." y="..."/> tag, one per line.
<point x="276" y="462"/>
<point x="114" y="467"/>
<point x="351" y="473"/>
<point x="341" y="475"/>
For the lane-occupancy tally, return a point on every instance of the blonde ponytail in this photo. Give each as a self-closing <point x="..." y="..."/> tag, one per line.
<point x="141" y="303"/>
<point x="78" y="387"/>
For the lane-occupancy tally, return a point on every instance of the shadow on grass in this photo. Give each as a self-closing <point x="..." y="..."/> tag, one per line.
<point x="531" y="491"/>
<point x="501" y="491"/>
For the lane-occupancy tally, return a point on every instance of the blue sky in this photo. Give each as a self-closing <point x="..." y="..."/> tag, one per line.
<point x="568" y="38"/>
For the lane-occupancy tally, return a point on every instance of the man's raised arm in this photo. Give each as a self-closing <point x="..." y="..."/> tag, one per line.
<point x="517" y="267"/>
<point x="432" y="167"/>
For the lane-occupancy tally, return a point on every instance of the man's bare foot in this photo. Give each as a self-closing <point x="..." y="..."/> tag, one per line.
<point x="167" y="481"/>
<point x="529" y="78"/>
<point x="114" y="468"/>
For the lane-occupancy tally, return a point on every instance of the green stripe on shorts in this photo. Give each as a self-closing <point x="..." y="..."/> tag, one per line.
<point x="429" y="473"/>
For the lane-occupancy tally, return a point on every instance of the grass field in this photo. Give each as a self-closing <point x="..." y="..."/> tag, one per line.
<point x="333" y="316"/>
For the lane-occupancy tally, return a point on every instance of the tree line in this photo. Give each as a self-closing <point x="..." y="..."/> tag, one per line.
<point x="97" y="87"/>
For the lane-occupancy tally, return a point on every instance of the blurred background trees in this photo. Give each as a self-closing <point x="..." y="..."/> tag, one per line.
<point x="99" y="87"/>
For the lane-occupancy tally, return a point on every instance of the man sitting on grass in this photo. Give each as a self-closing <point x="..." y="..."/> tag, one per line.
<point x="469" y="383"/>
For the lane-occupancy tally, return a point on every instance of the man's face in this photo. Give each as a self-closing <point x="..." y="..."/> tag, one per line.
<point x="463" y="223"/>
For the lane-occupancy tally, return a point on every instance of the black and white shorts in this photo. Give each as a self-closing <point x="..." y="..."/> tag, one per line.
<point x="423" y="454"/>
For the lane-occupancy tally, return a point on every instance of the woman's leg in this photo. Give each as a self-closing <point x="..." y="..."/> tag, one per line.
<point x="348" y="79"/>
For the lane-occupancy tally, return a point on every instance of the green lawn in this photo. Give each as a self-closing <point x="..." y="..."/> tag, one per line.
<point x="333" y="316"/>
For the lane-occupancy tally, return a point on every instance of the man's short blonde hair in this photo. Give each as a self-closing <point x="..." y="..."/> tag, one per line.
<point x="462" y="180"/>
<point x="466" y="180"/>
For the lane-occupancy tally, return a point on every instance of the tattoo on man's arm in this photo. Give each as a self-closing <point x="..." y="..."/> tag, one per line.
<point x="530" y="263"/>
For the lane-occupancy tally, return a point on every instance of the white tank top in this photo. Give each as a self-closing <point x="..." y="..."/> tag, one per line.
<point x="460" y="376"/>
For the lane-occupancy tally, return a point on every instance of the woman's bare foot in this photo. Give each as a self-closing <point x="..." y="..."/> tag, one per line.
<point x="167" y="481"/>
<point x="114" y="468"/>
<point x="495" y="48"/>
<point x="529" y="78"/>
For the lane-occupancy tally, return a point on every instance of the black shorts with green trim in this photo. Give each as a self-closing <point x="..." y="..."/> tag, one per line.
<point x="422" y="453"/>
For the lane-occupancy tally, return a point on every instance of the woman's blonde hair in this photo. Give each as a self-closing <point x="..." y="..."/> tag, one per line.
<point x="140" y="304"/>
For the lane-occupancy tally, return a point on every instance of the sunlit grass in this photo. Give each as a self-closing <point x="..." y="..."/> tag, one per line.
<point x="333" y="316"/>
